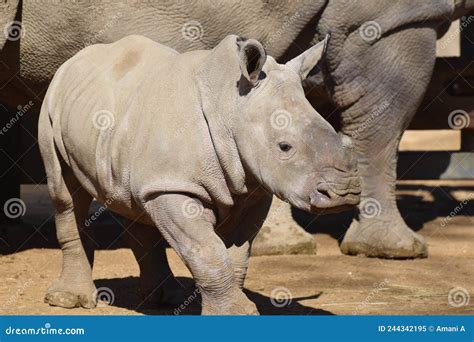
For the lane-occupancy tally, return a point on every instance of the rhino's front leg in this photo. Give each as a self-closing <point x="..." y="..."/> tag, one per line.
<point x="189" y="228"/>
<point x="157" y="283"/>
<point x="379" y="230"/>
<point x="376" y="122"/>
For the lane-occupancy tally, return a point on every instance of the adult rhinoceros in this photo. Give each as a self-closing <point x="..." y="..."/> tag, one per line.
<point x="379" y="62"/>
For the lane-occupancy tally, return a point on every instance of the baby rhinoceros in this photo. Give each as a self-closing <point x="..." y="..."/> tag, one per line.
<point x="190" y="146"/>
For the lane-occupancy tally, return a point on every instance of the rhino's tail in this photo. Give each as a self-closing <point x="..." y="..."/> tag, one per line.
<point x="46" y="144"/>
<point x="50" y="141"/>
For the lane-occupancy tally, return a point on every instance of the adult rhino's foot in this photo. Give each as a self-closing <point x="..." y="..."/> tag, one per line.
<point x="71" y="295"/>
<point x="373" y="237"/>
<point x="236" y="303"/>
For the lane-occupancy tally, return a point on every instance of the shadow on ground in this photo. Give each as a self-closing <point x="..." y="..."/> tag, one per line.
<point x="19" y="235"/>
<point x="125" y="295"/>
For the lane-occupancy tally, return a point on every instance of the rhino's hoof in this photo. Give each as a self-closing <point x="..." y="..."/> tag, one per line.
<point x="69" y="295"/>
<point x="241" y="309"/>
<point x="381" y="239"/>
<point x="234" y="303"/>
<point x="70" y="300"/>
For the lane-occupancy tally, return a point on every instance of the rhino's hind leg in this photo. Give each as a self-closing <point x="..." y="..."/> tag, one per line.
<point x="75" y="287"/>
<point x="157" y="283"/>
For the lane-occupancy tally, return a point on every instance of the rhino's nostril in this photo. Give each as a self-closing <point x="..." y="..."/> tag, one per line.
<point x="342" y="169"/>
<point x="325" y="193"/>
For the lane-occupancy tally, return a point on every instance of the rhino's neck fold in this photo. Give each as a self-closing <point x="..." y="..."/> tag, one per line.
<point x="216" y="79"/>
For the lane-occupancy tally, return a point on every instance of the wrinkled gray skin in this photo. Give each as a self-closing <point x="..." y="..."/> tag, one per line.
<point x="375" y="85"/>
<point x="189" y="145"/>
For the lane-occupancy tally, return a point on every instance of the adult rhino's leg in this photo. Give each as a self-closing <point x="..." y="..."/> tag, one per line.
<point x="75" y="286"/>
<point x="396" y="72"/>
<point x="203" y="252"/>
<point x="243" y="235"/>
<point x="157" y="283"/>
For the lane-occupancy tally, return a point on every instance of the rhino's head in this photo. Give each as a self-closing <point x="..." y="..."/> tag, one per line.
<point x="281" y="140"/>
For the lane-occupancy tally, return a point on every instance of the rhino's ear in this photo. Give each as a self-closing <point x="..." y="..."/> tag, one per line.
<point x="305" y="62"/>
<point x="252" y="57"/>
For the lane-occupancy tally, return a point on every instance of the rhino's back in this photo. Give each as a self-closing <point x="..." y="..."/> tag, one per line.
<point x="89" y="103"/>
<point x="127" y="120"/>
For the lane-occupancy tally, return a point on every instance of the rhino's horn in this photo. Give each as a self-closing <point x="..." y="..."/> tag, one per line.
<point x="305" y="62"/>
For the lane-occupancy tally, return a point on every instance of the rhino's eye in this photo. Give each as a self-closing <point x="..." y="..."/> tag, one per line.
<point x="285" y="147"/>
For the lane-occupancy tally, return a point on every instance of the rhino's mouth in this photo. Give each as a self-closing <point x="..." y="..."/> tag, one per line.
<point x="328" y="200"/>
<point x="331" y="210"/>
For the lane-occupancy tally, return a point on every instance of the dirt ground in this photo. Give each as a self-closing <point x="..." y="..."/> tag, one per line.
<point x="326" y="283"/>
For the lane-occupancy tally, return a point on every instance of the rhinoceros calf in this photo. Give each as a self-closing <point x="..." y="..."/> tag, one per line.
<point x="191" y="145"/>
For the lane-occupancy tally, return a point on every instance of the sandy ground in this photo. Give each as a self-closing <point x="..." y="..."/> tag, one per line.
<point x="326" y="283"/>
